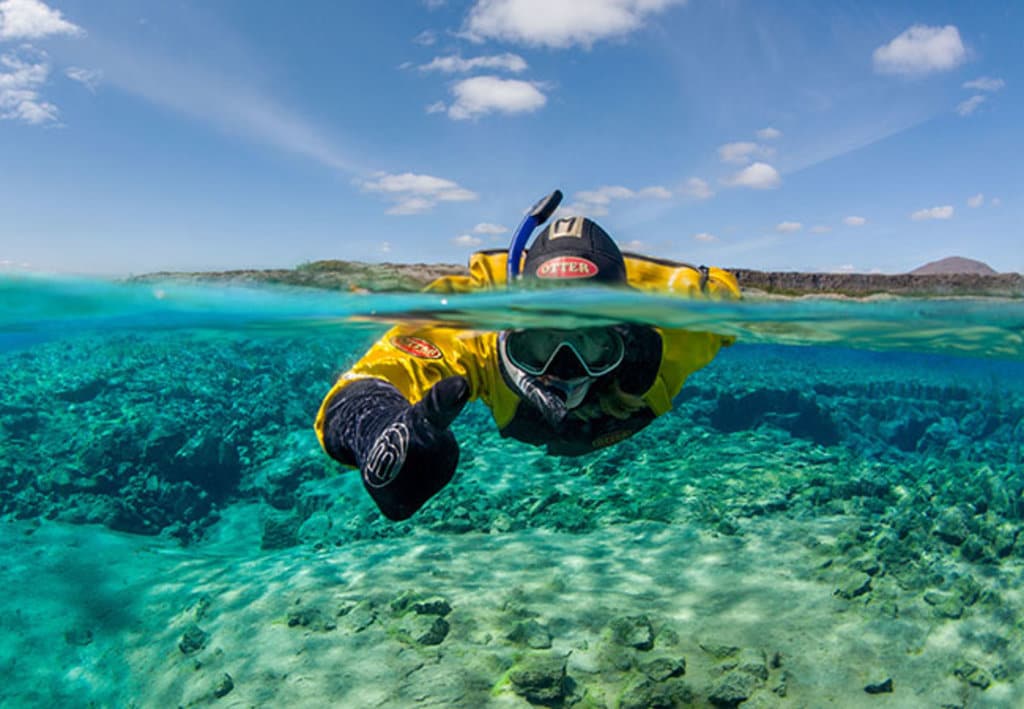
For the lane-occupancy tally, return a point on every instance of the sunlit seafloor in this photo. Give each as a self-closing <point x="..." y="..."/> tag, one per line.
<point x="829" y="517"/>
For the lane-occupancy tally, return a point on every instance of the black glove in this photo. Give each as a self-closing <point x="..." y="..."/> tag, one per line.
<point x="406" y="453"/>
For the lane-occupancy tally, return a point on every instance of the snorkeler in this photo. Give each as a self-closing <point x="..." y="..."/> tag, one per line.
<point x="573" y="391"/>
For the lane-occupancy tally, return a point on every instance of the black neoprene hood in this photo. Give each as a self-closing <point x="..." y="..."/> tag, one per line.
<point x="574" y="250"/>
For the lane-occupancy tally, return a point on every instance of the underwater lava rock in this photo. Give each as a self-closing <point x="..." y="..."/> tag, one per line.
<point x="193" y="639"/>
<point x="280" y="531"/>
<point x="632" y="631"/>
<point x="649" y="694"/>
<point x="531" y="634"/>
<point x="733" y="688"/>
<point x="944" y="605"/>
<point x="883" y="687"/>
<point x="359" y="617"/>
<point x="435" y="605"/>
<point x="415" y="629"/>
<point x="663" y="668"/>
<point x="224" y="686"/>
<point x="753" y="662"/>
<point x="312" y="618"/>
<point x="78" y="635"/>
<point x="719" y="651"/>
<point x="973" y="674"/>
<point x="540" y="679"/>
<point x="852" y="583"/>
<point x="953" y="525"/>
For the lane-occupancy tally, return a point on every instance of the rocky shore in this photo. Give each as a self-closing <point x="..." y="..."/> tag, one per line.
<point x="397" y="277"/>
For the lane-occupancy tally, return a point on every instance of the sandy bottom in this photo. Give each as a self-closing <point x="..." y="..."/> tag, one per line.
<point x="94" y="618"/>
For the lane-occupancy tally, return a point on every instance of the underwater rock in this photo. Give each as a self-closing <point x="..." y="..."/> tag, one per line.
<point x="78" y="635"/>
<point x="663" y="668"/>
<point x="421" y="629"/>
<point x="883" y="687"/>
<point x="944" y="605"/>
<point x="434" y="605"/>
<point x="419" y="603"/>
<point x="224" y="686"/>
<point x="852" y="583"/>
<point x="974" y="549"/>
<point x="312" y="618"/>
<point x="280" y="531"/>
<point x="972" y="674"/>
<point x="718" y="651"/>
<point x="540" y="679"/>
<point x="359" y="617"/>
<point x="315" y="528"/>
<point x="193" y="639"/>
<point x="753" y="662"/>
<point x="530" y="633"/>
<point x="733" y="688"/>
<point x="648" y="694"/>
<point x="632" y="631"/>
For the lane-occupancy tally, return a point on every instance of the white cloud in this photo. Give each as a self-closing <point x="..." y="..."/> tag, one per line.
<point x="769" y="133"/>
<point x="486" y="228"/>
<point x="788" y="227"/>
<point x="455" y="64"/>
<point x="976" y="201"/>
<point x="743" y="152"/>
<point x="89" y="78"/>
<point x="697" y="189"/>
<point x="844" y="268"/>
<point x="706" y="237"/>
<point x="855" y="221"/>
<point x="31" y="19"/>
<point x="820" y="229"/>
<point x="944" y="212"/>
<point x="921" y="50"/>
<point x="966" y="108"/>
<point x="385" y="247"/>
<point x="984" y="83"/>
<point x="426" y="38"/>
<point x="634" y="245"/>
<point x="434" y="4"/>
<point x="596" y="202"/>
<point x="995" y="201"/>
<point x="467" y="241"/>
<point x="481" y="95"/>
<point x="759" y="176"/>
<point x="437" y="107"/>
<point x="414" y="194"/>
<point x="19" y="87"/>
<point x="559" y="23"/>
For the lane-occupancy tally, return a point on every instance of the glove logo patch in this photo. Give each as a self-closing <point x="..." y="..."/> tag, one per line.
<point x="567" y="267"/>
<point x="416" y="346"/>
<point x="388" y="455"/>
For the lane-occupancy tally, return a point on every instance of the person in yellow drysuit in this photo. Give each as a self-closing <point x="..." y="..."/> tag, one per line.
<point x="573" y="391"/>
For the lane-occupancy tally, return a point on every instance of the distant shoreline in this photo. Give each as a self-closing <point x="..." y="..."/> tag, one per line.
<point x="406" y="278"/>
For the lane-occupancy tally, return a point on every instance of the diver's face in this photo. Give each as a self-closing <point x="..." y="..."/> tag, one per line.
<point x="566" y="354"/>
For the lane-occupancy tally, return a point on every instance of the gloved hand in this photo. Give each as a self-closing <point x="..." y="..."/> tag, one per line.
<point x="406" y="453"/>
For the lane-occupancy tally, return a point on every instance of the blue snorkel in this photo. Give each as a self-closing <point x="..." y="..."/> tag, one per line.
<point x="537" y="215"/>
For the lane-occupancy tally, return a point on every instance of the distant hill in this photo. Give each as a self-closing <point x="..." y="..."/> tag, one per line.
<point x="954" y="264"/>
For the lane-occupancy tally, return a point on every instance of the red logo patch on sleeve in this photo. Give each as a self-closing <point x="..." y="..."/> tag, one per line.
<point x="416" y="346"/>
<point x="567" y="267"/>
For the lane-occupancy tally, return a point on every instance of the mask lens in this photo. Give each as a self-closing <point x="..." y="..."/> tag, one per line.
<point x="599" y="350"/>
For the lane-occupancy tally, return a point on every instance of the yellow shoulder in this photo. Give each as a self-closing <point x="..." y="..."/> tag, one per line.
<point x="666" y="276"/>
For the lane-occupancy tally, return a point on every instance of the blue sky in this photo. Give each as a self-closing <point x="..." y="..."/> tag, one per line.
<point x="796" y="135"/>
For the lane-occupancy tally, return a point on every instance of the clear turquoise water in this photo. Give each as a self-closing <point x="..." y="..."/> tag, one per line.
<point x="159" y="410"/>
